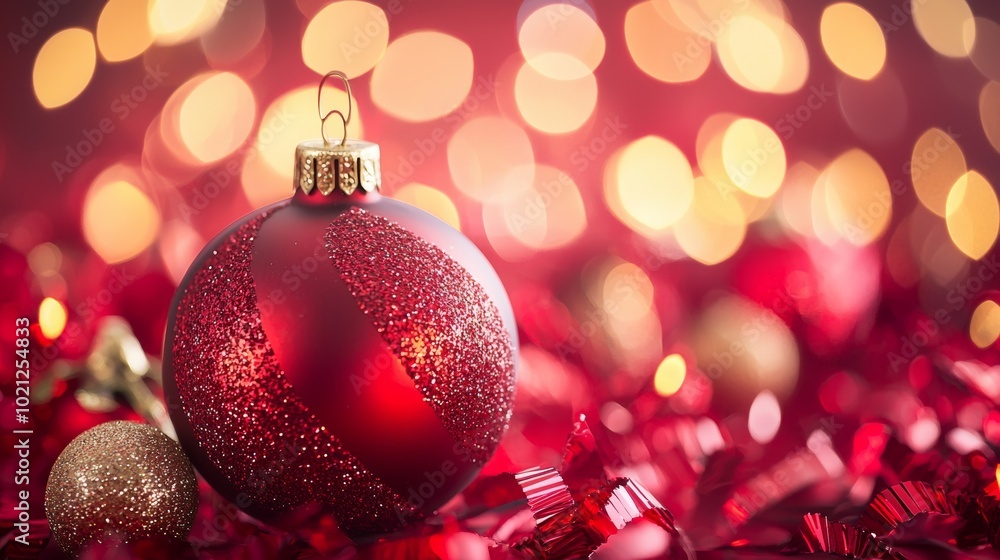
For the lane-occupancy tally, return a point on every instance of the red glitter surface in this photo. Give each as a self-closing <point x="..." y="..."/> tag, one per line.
<point x="438" y="321"/>
<point x="252" y="438"/>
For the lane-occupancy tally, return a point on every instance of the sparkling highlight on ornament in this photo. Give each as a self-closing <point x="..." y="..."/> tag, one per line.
<point x="120" y="480"/>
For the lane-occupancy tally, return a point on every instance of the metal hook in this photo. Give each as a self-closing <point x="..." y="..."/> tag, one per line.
<point x="324" y="116"/>
<point x="322" y="126"/>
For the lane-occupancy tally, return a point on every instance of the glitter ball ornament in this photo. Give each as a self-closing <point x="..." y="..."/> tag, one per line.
<point x="340" y="354"/>
<point x="120" y="481"/>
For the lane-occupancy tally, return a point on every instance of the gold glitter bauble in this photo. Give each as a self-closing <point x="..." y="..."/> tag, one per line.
<point x="123" y="481"/>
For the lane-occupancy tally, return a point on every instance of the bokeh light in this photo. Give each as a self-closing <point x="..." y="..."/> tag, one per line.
<point x="946" y="25"/>
<point x="549" y="215"/>
<point x="761" y="52"/>
<point x="662" y="46"/>
<point x="482" y="171"/>
<point x="649" y="184"/>
<point x="936" y="163"/>
<point x="178" y="21"/>
<point x="875" y="110"/>
<point x="857" y="195"/>
<point x="561" y="41"/>
<point x="670" y="375"/>
<point x="51" y="318"/>
<point x="119" y="220"/>
<point x="753" y="157"/>
<point x="64" y="67"/>
<point x="795" y="208"/>
<point x="714" y="226"/>
<point x="764" y="418"/>
<point x="747" y="349"/>
<point x="989" y="112"/>
<point x="349" y="36"/>
<point x="237" y="35"/>
<point x="217" y="116"/>
<point x="551" y="105"/>
<point x="853" y="40"/>
<point x="423" y="76"/>
<point x="984" y="326"/>
<point x="986" y="45"/>
<point x="123" y="30"/>
<point x="430" y="200"/>
<point x="973" y="215"/>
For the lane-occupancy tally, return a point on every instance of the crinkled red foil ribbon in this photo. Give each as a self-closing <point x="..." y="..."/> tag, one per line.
<point x="570" y="529"/>
<point x="887" y="511"/>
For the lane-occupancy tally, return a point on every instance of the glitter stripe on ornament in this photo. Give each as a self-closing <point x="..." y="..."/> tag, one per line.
<point x="426" y="305"/>
<point x="252" y="433"/>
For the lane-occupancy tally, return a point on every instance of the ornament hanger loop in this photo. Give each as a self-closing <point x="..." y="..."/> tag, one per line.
<point x="324" y="116"/>
<point x="322" y="126"/>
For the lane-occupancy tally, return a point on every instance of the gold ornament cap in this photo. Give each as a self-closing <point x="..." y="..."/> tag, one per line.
<point x="332" y="166"/>
<point x="344" y="167"/>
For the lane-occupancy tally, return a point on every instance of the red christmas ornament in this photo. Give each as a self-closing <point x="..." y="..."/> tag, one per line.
<point x="340" y="354"/>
